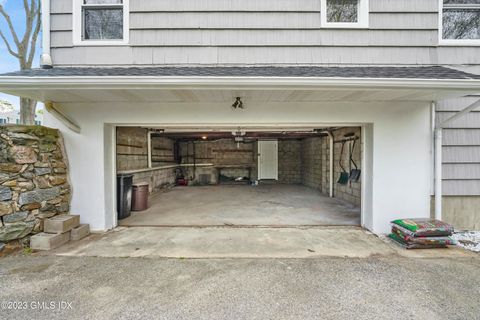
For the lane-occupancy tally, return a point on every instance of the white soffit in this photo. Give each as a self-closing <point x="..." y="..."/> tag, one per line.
<point x="223" y="89"/>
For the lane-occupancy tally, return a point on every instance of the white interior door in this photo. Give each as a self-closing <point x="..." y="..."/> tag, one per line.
<point x="268" y="159"/>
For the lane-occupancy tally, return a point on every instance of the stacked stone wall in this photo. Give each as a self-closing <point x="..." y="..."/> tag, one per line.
<point x="33" y="179"/>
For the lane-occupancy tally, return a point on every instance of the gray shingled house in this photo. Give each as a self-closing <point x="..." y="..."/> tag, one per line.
<point x="335" y="112"/>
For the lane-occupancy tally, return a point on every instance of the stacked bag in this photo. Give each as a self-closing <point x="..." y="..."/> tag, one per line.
<point x="421" y="233"/>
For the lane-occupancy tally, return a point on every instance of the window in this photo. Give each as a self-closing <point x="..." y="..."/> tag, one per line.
<point x="344" y="13"/>
<point x="460" y="22"/>
<point x="101" y="22"/>
<point x="2" y="121"/>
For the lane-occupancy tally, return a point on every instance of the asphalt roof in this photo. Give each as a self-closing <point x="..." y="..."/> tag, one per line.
<point x="431" y="72"/>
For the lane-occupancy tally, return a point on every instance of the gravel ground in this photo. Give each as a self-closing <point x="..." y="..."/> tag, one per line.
<point x="326" y="288"/>
<point x="469" y="240"/>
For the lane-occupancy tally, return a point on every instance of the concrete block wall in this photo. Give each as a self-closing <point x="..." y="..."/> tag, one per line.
<point x="290" y="161"/>
<point x="162" y="151"/>
<point x="312" y="162"/>
<point x="222" y="152"/>
<point x="351" y="192"/>
<point x="132" y="147"/>
<point x="156" y="179"/>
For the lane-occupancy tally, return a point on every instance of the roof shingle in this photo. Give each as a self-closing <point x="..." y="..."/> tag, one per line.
<point x="431" y="72"/>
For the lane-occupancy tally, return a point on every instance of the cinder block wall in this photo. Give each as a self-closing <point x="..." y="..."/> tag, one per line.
<point x="131" y="148"/>
<point x="222" y="152"/>
<point x="351" y="192"/>
<point x="290" y="161"/>
<point x="312" y="162"/>
<point x="316" y="165"/>
<point x="162" y="151"/>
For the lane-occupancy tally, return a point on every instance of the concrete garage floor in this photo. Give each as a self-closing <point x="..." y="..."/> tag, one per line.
<point x="242" y="205"/>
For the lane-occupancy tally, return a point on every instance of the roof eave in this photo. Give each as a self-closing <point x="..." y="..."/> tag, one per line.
<point x="252" y="83"/>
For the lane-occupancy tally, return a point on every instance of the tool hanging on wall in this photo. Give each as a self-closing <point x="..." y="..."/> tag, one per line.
<point x="344" y="176"/>
<point x="354" y="173"/>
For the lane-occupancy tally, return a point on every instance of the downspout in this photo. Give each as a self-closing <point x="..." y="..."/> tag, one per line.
<point x="46" y="58"/>
<point x="149" y="148"/>
<point x="438" y="155"/>
<point x="51" y="108"/>
<point x="331" y="146"/>
<point x="330" y="135"/>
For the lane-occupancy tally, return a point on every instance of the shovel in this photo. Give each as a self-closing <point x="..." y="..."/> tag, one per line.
<point x="343" y="179"/>
<point x="354" y="173"/>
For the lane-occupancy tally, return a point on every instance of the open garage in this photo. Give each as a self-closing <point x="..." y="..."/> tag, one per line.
<point x="243" y="177"/>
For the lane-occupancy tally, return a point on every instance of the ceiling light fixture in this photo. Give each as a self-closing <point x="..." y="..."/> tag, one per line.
<point x="238" y="104"/>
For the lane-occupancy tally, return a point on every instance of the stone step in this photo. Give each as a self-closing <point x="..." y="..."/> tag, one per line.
<point x="48" y="241"/>
<point x="61" y="223"/>
<point x="80" y="232"/>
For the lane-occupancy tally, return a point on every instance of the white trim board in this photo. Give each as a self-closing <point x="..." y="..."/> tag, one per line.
<point x="452" y="42"/>
<point x="77" y="27"/>
<point x="363" y="17"/>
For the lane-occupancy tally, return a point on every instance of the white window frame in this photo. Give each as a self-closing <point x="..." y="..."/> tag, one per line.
<point x="78" y="25"/>
<point x="453" y="42"/>
<point x="363" y="17"/>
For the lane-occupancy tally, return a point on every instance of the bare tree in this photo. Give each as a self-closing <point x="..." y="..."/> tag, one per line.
<point x="23" y="48"/>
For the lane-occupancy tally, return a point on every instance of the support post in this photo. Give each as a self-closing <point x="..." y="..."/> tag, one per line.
<point x="149" y="148"/>
<point x="330" y="135"/>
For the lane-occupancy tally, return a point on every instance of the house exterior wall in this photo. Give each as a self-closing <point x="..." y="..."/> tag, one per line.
<point x="288" y="32"/>
<point x="408" y="124"/>
<point x="164" y="32"/>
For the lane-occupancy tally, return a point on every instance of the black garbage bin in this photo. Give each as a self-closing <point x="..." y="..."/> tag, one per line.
<point x="124" y="195"/>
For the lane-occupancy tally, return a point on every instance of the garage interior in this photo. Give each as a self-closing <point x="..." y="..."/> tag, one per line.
<point x="243" y="177"/>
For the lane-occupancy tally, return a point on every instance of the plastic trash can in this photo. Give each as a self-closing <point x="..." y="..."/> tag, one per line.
<point x="140" y="196"/>
<point x="124" y="195"/>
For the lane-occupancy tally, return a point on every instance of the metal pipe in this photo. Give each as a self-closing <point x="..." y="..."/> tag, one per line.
<point x="149" y="148"/>
<point x="46" y="58"/>
<point x="331" y="156"/>
<point x="331" y="162"/>
<point x="438" y="173"/>
<point x="53" y="109"/>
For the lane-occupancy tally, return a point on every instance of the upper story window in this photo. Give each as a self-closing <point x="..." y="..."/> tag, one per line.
<point x="344" y="13"/>
<point x="101" y="22"/>
<point x="460" y="22"/>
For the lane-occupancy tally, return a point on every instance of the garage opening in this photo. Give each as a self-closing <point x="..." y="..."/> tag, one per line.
<point x="243" y="177"/>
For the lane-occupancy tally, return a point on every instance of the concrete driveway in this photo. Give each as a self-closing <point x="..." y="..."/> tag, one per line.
<point x="317" y="273"/>
<point x="391" y="287"/>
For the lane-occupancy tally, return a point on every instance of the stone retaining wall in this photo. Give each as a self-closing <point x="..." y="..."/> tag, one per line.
<point x="33" y="179"/>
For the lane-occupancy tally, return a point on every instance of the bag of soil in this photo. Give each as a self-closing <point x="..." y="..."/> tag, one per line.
<point x="443" y="241"/>
<point x="424" y="227"/>
<point x="410" y="245"/>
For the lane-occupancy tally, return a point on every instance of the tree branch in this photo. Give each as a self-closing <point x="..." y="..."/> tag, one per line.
<point x="9" y="48"/>
<point x="29" y="18"/>
<point x="10" y="26"/>
<point x="33" y="42"/>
